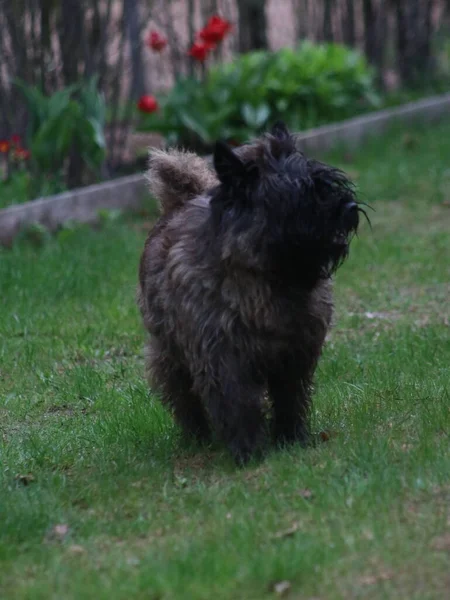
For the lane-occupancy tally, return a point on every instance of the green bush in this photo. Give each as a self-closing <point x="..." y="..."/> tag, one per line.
<point x="70" y="120"/>
<point x="306" y="87"/>
<point x="15" y="189"/>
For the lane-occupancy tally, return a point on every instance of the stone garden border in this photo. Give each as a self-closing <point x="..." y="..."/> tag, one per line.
<point x="83" y="204"/>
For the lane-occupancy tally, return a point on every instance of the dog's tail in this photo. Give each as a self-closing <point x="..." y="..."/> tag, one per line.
<point x="176" y="176"/>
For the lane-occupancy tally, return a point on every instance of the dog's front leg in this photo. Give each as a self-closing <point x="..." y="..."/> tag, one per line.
<point x="234" y="405"/>
<point x="290" y="391"/>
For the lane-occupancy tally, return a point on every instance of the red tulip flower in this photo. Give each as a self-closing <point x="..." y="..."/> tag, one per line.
<point x="147" y="104"/>
<point x="216" y="29"/>
<point x="200" y="50"/>
<point x="16" y="140"/>
<point x="4" y="146"/>
<point x="22" y="154"/>
<point x="156" y="41"/>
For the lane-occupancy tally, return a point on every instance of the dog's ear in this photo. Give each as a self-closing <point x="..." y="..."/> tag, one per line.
<point x="280" y="131"/>
<point x="229" y="166"/>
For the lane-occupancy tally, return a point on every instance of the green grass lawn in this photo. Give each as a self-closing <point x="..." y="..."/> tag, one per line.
<point x="100" y="499"/>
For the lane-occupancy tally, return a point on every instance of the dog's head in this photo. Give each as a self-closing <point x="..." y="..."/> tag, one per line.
<point x="277" y="210"/>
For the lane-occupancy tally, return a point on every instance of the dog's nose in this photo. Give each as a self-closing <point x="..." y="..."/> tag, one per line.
<point x="350" y="215"/>
<point x="349" y="206"/>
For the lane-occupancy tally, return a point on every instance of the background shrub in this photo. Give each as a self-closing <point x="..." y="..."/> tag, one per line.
<point x="306" y="87"/>
<point x="68" y="124"/>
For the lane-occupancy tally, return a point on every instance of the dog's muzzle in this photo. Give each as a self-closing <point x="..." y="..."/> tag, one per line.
<point x="350" y="216"/>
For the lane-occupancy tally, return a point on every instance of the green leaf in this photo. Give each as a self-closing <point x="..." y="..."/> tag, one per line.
<point x="37" y="105"/>
<point x="59" y="101"/>
<point x="93" y="101"/>
<point x="89" y="142"/>
<point x="255" y="117"/>
<point x="193" y="124"/>
<point x="99" y="135"/>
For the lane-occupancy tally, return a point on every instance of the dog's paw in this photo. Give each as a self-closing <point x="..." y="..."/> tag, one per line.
<point x="244" y="452"/>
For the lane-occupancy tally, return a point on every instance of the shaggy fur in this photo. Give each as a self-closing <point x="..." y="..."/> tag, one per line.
<point x="176" y="177"/>
<point x="235" y="286"/>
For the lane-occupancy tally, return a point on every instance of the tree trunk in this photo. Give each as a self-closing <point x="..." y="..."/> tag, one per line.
<point x="252" y="25"/>
<point x="374" y="33"/>
<point x="70" y="38"/>
<point x="191" y="29"/>
<point x="370" y="32"/>
<point x="209" y="8"/>
<point x="45" y="43"/>
<point x="349" y="23"/>
<point x="327" y="21"/>
<point x="133" y="27"/>
<point x="301" y="8"/>
<point x="413" y="20"/>
<point x="178" y="57"/>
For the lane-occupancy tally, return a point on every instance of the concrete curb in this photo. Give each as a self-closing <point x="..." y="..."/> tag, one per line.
<point x="80" y="205"/>
<point x="83" y="204"/>
<point x="354" y="131"/>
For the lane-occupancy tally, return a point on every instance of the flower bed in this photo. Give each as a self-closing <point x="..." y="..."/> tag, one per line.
<point x="129" y="192"/>
<point x="306" y="87"/>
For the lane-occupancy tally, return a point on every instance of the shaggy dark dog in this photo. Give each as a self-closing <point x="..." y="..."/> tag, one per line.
<point x="235" y="286"/>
